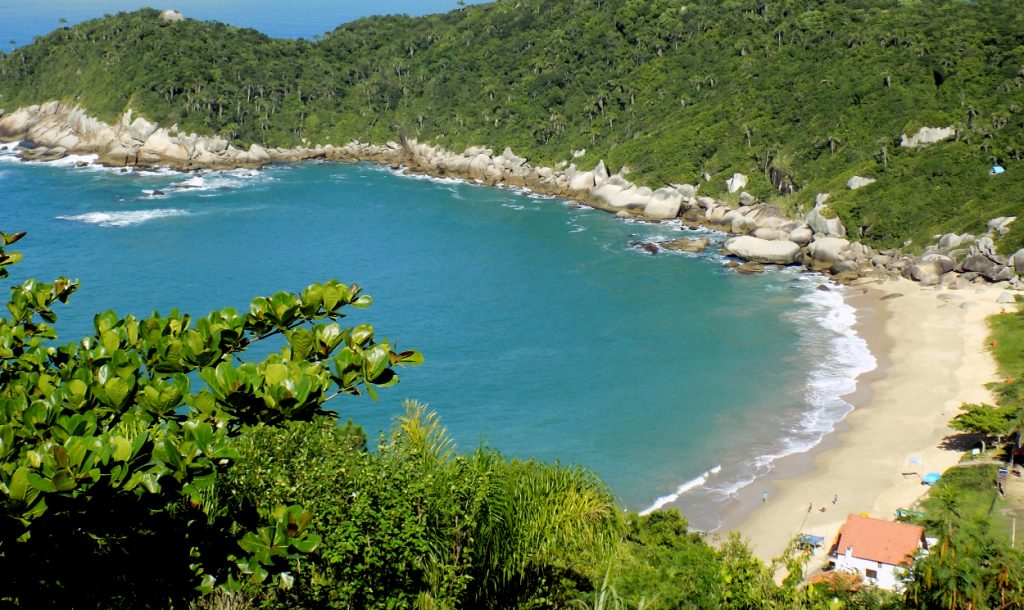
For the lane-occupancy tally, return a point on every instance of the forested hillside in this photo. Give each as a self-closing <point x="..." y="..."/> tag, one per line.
<point x="816" y="90"/>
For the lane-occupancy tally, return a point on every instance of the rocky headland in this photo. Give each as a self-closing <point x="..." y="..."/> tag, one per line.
<point x="763" y="235"/>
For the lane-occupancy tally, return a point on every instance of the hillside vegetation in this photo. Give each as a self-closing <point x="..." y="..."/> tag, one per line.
<point x="816" y="90"/>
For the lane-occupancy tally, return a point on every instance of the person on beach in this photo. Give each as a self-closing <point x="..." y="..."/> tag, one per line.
<point x="835" y="498"/>
<point x="764" y="497"/>
<point x="810" y="506"/>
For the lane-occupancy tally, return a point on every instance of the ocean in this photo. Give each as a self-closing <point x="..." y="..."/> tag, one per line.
<point x="546" y="332"/>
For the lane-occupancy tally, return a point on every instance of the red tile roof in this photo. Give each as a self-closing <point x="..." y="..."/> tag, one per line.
<point x="877" y="540"/>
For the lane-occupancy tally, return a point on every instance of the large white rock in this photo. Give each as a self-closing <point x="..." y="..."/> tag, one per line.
<point x="258" y="154"/>
<point x="1017" y="260"/>
<point x="927" y="135"/>
<point x="705" y="202"/>
<point x="770" y="233"/>
<point x="688" y="191"/>
<point x="738" y="222"/>
<point x="859" y="181"/>
<point x="1001" y="225"/>
<point x="828" y="249"/>
<point x="664" y="204"/>
<point x="140" y="129"/>
<point x="171" y="16"/>
<point x="941" y="262"/>
<point x="160" y="147"/>
<point x="600" y="172"/>
<point x="801" y="235"/>
<point x="950" y="241"/>
<point x="824" y="221"/>
<point x="582" y="181"/>
<point x="716" y="213"/>
<point x="776" y="252"/>
<point x="617" y="193"/>
<point x="14" y="126"/>
<point x="735" y="183"/>
<point x="510" y="159"/>
<point x="478" y="166"/>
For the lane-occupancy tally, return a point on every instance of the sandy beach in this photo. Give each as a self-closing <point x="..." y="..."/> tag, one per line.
<point x="930" y="346"/>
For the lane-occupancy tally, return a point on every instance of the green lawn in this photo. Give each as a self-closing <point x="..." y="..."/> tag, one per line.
<point x="975" y="497"/>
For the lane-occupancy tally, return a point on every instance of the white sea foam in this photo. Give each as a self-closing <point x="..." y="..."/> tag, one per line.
<point x="124" y="218"/>
<point x="159" y="171"/>
<point x="195" y="182"/>
<point x="8" y="155"/>
<point x="208" y="183"/>
<point x="825" y="323"/>
<point x="72" y="160"/>
<point x="685" y="487"/>
<point x="401" y="171"/>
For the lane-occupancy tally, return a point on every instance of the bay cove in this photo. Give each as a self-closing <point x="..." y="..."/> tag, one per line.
<point x="545" y="334"/>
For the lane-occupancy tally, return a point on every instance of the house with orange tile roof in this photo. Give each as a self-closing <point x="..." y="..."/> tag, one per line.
<point x="880" y="551"/>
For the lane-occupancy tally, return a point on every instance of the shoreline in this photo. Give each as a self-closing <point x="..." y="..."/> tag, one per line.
<point x="762" y="234"/>
<point x="930" y="358"/>
<point x="795" y="479"/>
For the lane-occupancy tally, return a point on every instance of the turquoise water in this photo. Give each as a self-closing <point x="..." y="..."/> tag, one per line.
<point x="545" y="334"/>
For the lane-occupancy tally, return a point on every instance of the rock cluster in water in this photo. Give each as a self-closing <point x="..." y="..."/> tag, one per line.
<point x="763" y="235"/>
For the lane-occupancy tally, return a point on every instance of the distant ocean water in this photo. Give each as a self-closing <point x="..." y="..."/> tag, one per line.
<point x="545" y="334"/>
<point x="21" y="21"/>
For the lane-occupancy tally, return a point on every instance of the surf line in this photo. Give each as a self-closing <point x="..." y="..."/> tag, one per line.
<point x="685" y="487"/>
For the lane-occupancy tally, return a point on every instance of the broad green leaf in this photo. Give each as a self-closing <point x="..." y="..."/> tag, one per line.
<point x="109" y="340"/>
<point x="62" y="481"/>
<point x="117" y="390"/>
<point x="122" y="449"/>
<point x="275" y="374"/>
<point x="301" y="340"/>
<point x="331" y="297"/>
<point x="19" y="484"/>
<point x="307" y="544"/>
<point x="44" y="485"/>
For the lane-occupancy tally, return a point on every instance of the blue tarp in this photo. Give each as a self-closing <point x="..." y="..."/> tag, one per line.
<point x="809" y="540"/>
<point x="931" y="478"/>
<point x="998" y="169"/>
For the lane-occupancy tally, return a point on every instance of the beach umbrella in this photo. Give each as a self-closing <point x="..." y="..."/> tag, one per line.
<point x="931" y="478"/>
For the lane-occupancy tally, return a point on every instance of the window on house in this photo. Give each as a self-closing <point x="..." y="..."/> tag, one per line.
<point x="871" y="573"/>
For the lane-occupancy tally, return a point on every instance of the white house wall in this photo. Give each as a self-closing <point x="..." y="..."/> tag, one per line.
<point x="888" y="575"/>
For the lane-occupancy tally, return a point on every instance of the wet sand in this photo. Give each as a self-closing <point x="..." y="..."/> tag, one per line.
<point x="930" y="344"/>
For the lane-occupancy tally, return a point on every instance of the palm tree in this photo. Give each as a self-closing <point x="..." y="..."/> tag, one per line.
<point x="1017" y="425"/>
<point x="527" y="516"/>
<point x="534" y="514"/>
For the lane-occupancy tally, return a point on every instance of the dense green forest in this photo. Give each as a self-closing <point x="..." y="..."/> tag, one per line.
<point x="796" y="94"/>
<point x="158" y="464"/>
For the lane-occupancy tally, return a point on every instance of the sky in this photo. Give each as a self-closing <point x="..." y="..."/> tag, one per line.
<point x="22" y="20"/>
